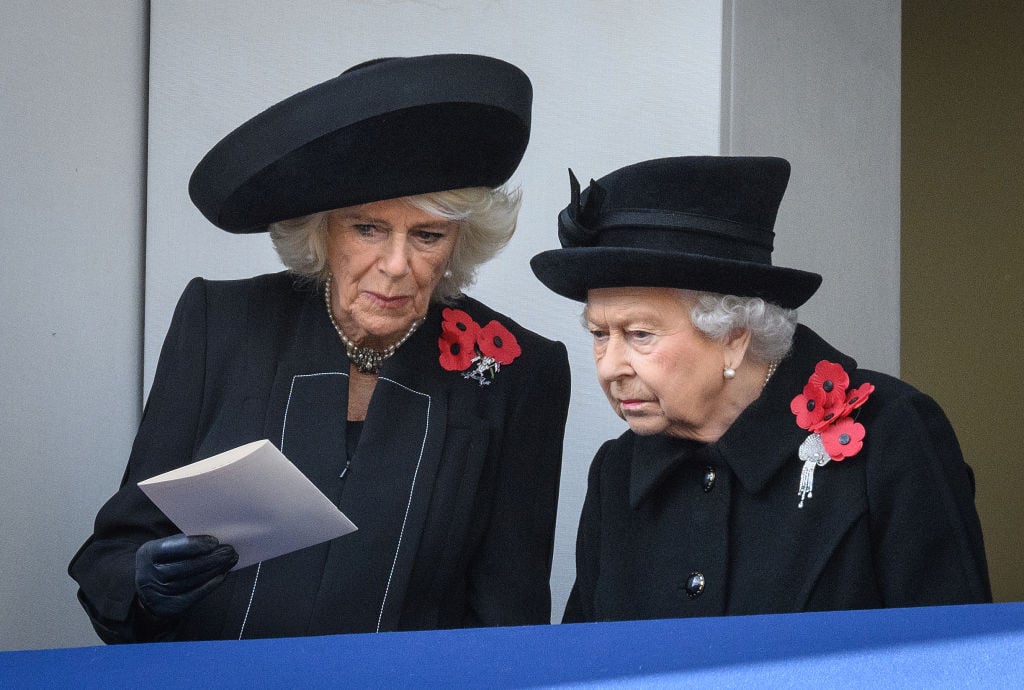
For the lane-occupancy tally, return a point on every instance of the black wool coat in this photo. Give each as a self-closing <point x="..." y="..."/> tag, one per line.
<point x="672" y="528"/>
<point x="453" y="485"/>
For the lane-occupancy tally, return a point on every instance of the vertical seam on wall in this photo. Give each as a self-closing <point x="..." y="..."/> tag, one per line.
<point x="725" y="116"/>
<point x="144" y="205"/>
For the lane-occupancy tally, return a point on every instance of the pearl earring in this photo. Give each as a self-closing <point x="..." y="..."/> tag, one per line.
<point x="448" y="274"/>
<point x="729" y="373"/>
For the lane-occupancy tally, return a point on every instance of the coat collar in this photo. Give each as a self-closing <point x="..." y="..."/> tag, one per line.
<point x="654" y="459"/>
<point x="761" y="440"/>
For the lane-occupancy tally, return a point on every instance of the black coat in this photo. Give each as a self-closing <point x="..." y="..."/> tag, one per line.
<point x="894" y="525"/>
<point x="453" y="487"/>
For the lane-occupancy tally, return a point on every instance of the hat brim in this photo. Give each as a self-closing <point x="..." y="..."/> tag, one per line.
<point x="398" y="127"/>
<point x="571" y="272"/>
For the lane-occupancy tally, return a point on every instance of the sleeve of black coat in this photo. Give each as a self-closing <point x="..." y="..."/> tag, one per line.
<point x="511" y="570"/>
<point x="928" y="541"/>
<point x="580" y="606"/>
<point x="105" y="565"/>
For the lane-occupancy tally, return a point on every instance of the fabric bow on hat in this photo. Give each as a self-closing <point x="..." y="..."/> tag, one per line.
<point x="575" y="220"/>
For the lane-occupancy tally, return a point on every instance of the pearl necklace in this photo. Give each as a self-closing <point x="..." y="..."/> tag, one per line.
<point x="772" y="366"/>
<point x="367" y="360"/>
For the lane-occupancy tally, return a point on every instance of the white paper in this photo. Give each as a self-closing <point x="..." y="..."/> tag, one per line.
<point x="251" y="497"/>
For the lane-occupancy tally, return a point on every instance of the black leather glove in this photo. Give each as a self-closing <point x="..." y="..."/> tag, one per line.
<point x="173" y="573"/>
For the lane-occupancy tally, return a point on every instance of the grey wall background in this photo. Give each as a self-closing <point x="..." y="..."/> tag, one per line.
<point x="819" y="83"/>
<point x="615" y="82"/>
<point x="72" y="165"/>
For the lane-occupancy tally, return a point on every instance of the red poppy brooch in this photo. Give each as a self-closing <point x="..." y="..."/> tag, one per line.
<point x="824" y="409"/>
<point x="477" y="351"/>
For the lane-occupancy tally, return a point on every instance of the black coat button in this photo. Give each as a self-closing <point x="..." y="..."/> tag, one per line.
<point x="709" y="479"/>
<point x="695" y="585"/>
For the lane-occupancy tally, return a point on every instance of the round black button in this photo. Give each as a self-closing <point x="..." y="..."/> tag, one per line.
<point x="695" y="585"/>
<point x="709" y="479"/>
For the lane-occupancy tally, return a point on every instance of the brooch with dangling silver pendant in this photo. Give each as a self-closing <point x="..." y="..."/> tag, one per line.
<point x="824" y="408"/>
<point x="812" y="453"/>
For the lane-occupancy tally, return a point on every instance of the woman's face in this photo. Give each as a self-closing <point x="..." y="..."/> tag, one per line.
<point x="660" y="374"/>
<point x="386" y="257"/>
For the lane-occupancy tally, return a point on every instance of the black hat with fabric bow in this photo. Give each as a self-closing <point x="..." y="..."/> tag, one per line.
<point x="383" y="129"/>
<point x="694" y="222"/>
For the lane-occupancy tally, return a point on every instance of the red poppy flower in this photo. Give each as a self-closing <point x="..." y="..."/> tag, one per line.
<point x="809" y="407"/>
<point x="833" y="380"/>
<point x="857" y="397"/>
<point x="455" y="355"/>
<point x="460" y="324"/>
<point x="458" y="339"/>
<point x="498" y="342"/>
<point x="844" y="439"/>
<point x="831" y="415"/>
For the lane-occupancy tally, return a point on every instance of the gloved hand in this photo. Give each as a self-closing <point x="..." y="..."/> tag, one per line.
<point x="173" y="573"/>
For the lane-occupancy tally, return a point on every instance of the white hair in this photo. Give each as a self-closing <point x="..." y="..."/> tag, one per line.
<point x="486" y="217"/>
<point x="771" y="326"/>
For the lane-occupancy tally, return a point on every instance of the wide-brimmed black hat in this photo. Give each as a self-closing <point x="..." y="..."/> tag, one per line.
<point x="695" y="222"/>
<point x="386" y="128"/>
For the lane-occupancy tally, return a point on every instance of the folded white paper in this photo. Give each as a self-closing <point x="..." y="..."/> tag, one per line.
<point x="251" y="497"/>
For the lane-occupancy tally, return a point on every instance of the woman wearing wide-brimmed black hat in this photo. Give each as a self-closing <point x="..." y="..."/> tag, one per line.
<point x="763" y="471"/>
<point x="434" y="422"/>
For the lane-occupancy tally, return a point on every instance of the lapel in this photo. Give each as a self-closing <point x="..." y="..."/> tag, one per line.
<point x="393" y="471"/>
<point x="360" y="579"/>
<point x="654" y="459"/>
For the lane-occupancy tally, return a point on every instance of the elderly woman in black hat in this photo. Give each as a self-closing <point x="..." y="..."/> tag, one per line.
<point x="763" y="471"/>
<point x="432" y="421"/>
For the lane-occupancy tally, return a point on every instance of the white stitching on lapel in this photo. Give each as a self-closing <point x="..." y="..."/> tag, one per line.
<point x="284" y="426"/>
<point x="412" y="488"/>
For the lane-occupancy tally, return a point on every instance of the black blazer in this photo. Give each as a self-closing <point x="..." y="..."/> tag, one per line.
<point x="453" y="486"/>
<point x="672" y="528"/>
